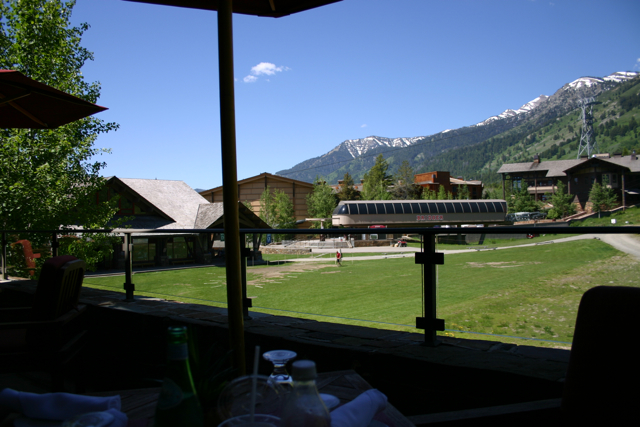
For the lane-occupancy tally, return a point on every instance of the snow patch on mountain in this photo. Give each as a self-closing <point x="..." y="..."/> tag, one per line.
<point x="511" y="113"/>
<point x="358" y="147"/>
<point x="617" y="77"/>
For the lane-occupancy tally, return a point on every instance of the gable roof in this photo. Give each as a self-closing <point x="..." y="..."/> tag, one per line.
<point x="551" y="168"/>
<point x="211" y="215"/>
<point x="259" y="177"/>
<point x="558" y="168"/>
<point x="173" y="204"/>
<point x="174" y="201"/>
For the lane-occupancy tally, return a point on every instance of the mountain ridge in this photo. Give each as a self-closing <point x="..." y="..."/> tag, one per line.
<point x="356" y="155"/>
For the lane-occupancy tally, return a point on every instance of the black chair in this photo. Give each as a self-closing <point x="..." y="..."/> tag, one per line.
<point x="50" y="333"/>
<point x="601" y="385"/>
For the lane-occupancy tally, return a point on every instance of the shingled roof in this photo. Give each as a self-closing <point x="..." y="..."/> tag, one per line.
<point x="175" y="205"/>
<point x="558" y="168"/>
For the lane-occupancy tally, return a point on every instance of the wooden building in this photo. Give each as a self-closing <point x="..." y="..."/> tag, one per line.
<point x="434" y="180"/>
<point x="250" y="190"/>
<point x="155" y="204"/>
<point x="621" y="173"/>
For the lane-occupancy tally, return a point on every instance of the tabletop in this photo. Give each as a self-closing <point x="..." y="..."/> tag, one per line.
<point x="140" y="404"/>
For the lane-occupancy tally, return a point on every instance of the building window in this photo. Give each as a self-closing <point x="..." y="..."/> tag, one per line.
<point x="144" y="249"/>
<point x="180" y="247"/>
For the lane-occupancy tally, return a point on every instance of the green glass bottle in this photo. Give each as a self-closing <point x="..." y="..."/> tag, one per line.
<point x="178" y="404"/>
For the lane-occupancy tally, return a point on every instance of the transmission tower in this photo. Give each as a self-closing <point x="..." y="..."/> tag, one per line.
<point x="587" y="138"/>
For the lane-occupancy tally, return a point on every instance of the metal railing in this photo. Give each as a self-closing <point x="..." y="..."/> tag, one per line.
<point x="427" y="257"/>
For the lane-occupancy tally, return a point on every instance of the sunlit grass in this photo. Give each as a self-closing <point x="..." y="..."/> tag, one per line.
<point x="530" y="292"/>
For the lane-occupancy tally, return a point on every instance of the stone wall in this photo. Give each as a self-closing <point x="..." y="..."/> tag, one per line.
<point x="279" y="250"/>
<point x="371" y="243"/>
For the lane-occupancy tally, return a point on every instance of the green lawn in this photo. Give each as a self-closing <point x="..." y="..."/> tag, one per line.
<point x="530" y="292"/>
<point x="629" y="216"/>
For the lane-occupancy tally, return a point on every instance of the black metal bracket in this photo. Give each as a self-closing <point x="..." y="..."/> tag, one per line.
<point x="429" y="258"/>
<point x="429" y="324"/>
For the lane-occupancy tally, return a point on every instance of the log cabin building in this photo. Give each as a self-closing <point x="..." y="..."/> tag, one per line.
<point x="621" y="173"/>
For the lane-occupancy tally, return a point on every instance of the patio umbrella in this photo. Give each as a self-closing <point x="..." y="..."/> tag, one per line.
<point x="225" y="8"/>
<point x="26" y="103"/>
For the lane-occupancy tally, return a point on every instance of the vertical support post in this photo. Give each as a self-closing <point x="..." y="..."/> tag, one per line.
<point x="624" y="199"/>
<point x="129" y="287"/>
<point x="244" y="253"/>
<point x="229" y="184"/>
<point x="54" y="245"/>
<point x="429" y="259"/>
<point x="5" y="274"/>
<point x="504" y="194"/>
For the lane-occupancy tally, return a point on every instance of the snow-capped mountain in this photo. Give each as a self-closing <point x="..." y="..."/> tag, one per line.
<point x="417" y="149"/>
<point x="617" y="77"/>
<point x="526" y="108"/>
<point x="357" y="147"/>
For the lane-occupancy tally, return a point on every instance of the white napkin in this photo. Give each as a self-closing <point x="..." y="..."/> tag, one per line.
<point x="119" y="420"/>
<point x="59" y="406"/>
<point x="360" y="411"/>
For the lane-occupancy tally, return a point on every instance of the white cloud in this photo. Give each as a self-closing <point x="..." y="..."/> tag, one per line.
<point x="363" y="126"/>
<point x="637" y="66"/>
<point x="264" y="68"/>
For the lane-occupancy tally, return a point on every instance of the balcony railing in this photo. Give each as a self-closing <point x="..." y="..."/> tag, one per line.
<point x="428" y="257"/>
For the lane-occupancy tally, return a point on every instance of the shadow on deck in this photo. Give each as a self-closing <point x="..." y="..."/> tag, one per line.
<point x="127" y="350"/>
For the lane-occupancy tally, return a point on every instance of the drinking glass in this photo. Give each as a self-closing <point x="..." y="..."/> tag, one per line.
<point x="235" y="398"/>
<point x="259" y="420"/>
<point x="280" y="358"/>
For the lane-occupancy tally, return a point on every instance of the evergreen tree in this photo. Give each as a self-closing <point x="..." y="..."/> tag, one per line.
<point x="405" y="188"/>
<point x="428" y="194"/>
<point x="376" y="181"/>
<point x="602" y="197"/>
<point x="521" y="201"/>
<point x="347" y="189"/>
<point x="443" y="194"/>
<point x="562" y="203"/>
<point x="463" y="192"/>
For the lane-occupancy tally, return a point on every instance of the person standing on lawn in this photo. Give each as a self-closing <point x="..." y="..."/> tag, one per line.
<point x="339" y="257"/>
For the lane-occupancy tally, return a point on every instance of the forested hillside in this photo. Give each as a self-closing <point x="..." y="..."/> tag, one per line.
<point x="553" y="138"/>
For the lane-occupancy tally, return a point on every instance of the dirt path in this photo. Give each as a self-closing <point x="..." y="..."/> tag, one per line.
<point x="278" y="272"/>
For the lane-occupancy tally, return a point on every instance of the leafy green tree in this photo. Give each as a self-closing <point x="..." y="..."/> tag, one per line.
<point x="321" y="201"/>
<point x="267" y="206"/>
<point x="562" y="203"/>
<point x="285" y="215"/>
<point x="602" y="197"/>
<point x="376" y="181"/>
<point x="277" y="210"/>
<point x="49" y="178"/>
<point x="347" y="189"/>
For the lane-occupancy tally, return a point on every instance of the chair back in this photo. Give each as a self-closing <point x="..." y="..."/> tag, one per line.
<point x="603" y="372"/>
<point x="58" y="288"/>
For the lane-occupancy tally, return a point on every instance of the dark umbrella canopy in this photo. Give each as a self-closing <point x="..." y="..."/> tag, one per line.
<point x="26" y="103"/>
<point x="272" y="8"/>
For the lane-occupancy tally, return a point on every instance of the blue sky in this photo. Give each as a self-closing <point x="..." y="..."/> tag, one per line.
<point x="307" y="82"/>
